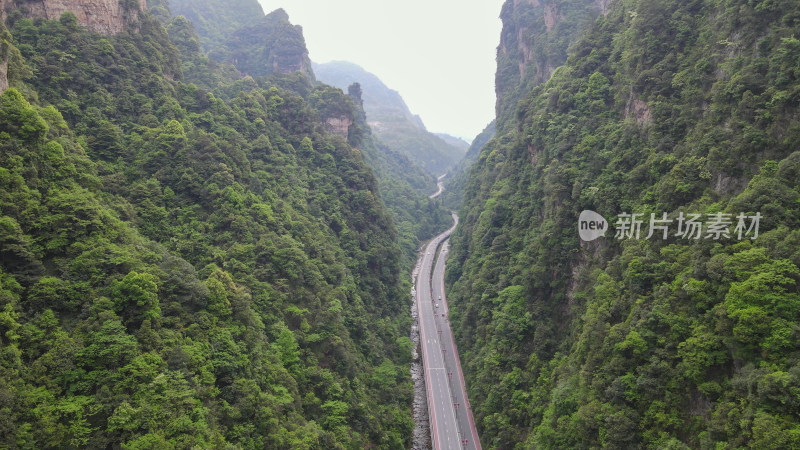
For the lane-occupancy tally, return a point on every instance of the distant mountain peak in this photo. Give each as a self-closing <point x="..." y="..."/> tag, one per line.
<point x="454" y="141"/>
<point x="239" y="33"/>
<point x="278" y="14"/>
<point x="391" y="119"/>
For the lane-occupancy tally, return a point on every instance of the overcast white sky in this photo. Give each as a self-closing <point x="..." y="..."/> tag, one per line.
<point x="439" y="54"/>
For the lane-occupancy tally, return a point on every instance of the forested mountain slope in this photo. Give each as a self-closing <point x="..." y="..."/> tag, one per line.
<point x="456" y="142"/>
<point x="180" y="268"/>
<point x="662" y="106"/>
<point x="271" y="45"/>
<point x="403" y="185"/>
<point x="391" y="120"/>
<point x="457" y="178"/>
<point x="238" y="33"/>
<point x="215" y="22"/>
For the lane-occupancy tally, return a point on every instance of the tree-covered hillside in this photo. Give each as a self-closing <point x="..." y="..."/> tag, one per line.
<point x="662" y="107"/>
<point x="454" y="141"/>
<point x="215" y="22"/>
<point x="457" y="178"/>
<point x="404" y="187"/>
<point x="181" y="268"/>
<point x="391" y="120"/>
<point x="272" y="45"/>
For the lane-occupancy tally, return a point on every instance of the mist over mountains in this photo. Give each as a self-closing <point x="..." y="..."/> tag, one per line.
<point x="392" y="121"/>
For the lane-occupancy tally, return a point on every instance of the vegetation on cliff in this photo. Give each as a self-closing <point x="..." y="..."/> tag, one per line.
<point x="669" y="106"/>
<point x="273" y="45"/>
<point x="391" y="120"/>
<point x="183" y="268"/>
<point x="457" y="178"/>
<point x="403" y="185"/>
<point x="215" y="22"/>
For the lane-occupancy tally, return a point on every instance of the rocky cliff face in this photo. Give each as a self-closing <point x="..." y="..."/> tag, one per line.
<point x="291" y="62"/>
<point x="338" y="125"/>
<point x="274" y="45"/>
<point x="101" y="16"/>
<point x="390" y="118"/>
<point x="3" y="73"/>
<point x="661" y="106"/>
<point x="5" y="45"/>
<point x="534" y="41"/>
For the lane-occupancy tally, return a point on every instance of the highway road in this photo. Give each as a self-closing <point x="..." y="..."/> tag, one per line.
<point x="439" y="183"/>
<point x="451" y="422"/>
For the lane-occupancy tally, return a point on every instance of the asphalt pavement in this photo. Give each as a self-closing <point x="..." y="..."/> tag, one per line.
<point x="451" y="422"/>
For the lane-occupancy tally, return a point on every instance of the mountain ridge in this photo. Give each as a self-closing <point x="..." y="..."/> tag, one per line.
<point x="216" y="22"/>
<point x="628" y="341"/>
<point x="390" y="118"/>
<point x="182" y="267"/>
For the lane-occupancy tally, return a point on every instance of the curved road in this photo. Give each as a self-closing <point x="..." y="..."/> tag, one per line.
<point x="451" y="422"/>
<point x="439" y="183"/>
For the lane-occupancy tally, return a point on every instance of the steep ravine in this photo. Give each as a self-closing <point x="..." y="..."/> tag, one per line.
<point x="422" y="433"/>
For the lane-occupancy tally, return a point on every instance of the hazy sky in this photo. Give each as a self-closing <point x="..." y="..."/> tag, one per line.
<point x="439" y="54"/>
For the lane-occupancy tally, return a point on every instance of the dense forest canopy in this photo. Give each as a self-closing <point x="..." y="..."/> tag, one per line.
<point x="661" y="106"/>
<point x="181" y="267"/>
<point x="215" y="22"/>
<point x="404" y="185"/>
<point x="202" y="245"/>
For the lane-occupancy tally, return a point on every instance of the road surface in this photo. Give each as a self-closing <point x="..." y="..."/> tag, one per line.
<point x="439" y="183"/>
<point x="457" y="385"/>
<point x="451" y="422"/>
